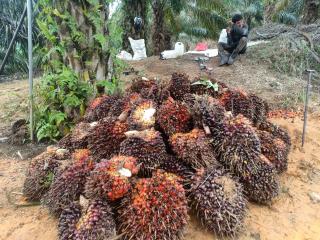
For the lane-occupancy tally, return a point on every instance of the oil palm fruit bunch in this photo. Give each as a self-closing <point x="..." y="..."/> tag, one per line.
<point x="275" y="150"/>
<point x="95" y="222"/>
<point x="277" y="132"/>
<point x="105" y="138"/>
<point x="69" y="183"/>
<point x="99" y="108"/>
<point x="156" y="209"/>
<point x="260" y="109"/>
<point x="193" y="148"/>
<point x="142" y="115"/>
<point x="219" y="201"/>
<point x="78" y="138"/>
<point x="263" y="184"/>
<point x="174" y="117"/>
<point x="179" y="86"/>
<point x="204" y="109"/>
<point x="40" y="175"/>
<point x="147" y="146"/>
<point x="111" y="179"/>
<point x="237" y="145"/>
<point x="146" y="88"/>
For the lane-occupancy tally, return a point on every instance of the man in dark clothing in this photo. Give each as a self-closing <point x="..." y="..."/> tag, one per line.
<point x="237" y="41"/>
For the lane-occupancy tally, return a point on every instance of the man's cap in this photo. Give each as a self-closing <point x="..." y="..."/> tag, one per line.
<point x="237" y="17"/>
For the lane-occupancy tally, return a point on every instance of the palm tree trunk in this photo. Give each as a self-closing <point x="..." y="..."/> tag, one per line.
<point x="132" y="9"/>
<point x="311" y="11"/>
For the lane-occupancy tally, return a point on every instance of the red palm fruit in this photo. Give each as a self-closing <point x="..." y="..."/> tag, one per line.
<point x="39" y="176"/>
<point x="147" y="146"/>
<point x="146" y="88"/>
<point x="68" y="185"/>
<point x="156" y="209"/>
<point x="275" y="150"/>
<point x="104" y="140"/>
<point x="142" y="115"/>
<point x="96" y="222"/>
<point x="263" y="184"/>
<point x="111" y="179"/>
<point x="204" y="109"/>
<point x="179" y="86"/>
<point x="99" y="108"/>
<point x="219" y="201"/>
<point x="173" y="117"/>
<point x="193" y="148"/>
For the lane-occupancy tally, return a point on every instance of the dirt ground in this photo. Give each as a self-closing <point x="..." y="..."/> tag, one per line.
<point x="293" y="215"/>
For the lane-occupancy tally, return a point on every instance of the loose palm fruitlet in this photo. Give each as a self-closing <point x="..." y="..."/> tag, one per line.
<point x="39" y="176"/>
<point x="173" y="117"/>
<point x="156" y="209"/>
<point x="219" y="201"/>
<point x="94" y="223"/>
<point x="143" y="115"/>
<point x="275" y="150"/>
<point x="193" y="148"/>
<point x="99" y="108"/>
<point x="147" y="146"/>
<point x="69" y="184"/>
<point x="263" y="185"/>
<point x="179" y="86"/>
<point x="104" y="140"/>
<point x="110" y="179"/>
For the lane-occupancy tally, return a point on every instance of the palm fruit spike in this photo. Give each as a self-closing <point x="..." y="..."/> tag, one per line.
<point x="104" y="140"/>
<point x="147" y="146"/>
<point x="69" y="184"/>
<point x="173" y="117"/>
<point x="275" y="150"/>
<point x="111" y="179"/>
<point x="39" y="176"/>
<point x="219" y="201"/>
<point x="99" y="108"/>
<point x="277" y="132"/>
<point x="156" y="209"/>
<point x="238" y="146"/>
<point x="204" y="108"/>
<point x="78" y="138"/>
<point x="143" y="115"/>
<point x="96" y="222"/>
<point x="179" y="86"/>
<point x="193" y="148"/>
<point x="146" y="88"/>
<point x="262" y="185"/>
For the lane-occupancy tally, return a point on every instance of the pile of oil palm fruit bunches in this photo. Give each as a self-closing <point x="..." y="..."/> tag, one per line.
<point x="137" y="165"/>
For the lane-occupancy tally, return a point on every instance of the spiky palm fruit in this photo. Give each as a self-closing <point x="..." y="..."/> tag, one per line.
<point x="146" y="88"/>
<point x="99" y="108"/>
<point x="156" y="209"/>
<point x="104" y="140"/>
<point x="204" y="109"/>
<point x="78" y="138"/>
<point x="142" y="115"/>
<point x="172" y="164"/>
<point x="111" y="179"/>
<point x="39" y="176"/>
<point x="68" y="185"/>
<point x="174" y="117"/>
<point x="237" y="145"/>
<point x="251" y="106"/>
<point x="193" y="148"/>
<point x="179" y="86"/>
<point x="263" y="184"/>
<point x="275" y="150"/>
<point x="219" y="201"/>
<point x="276" y="132"/>
<point x="96" y="222"/>
<point x="147" y="146"/>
